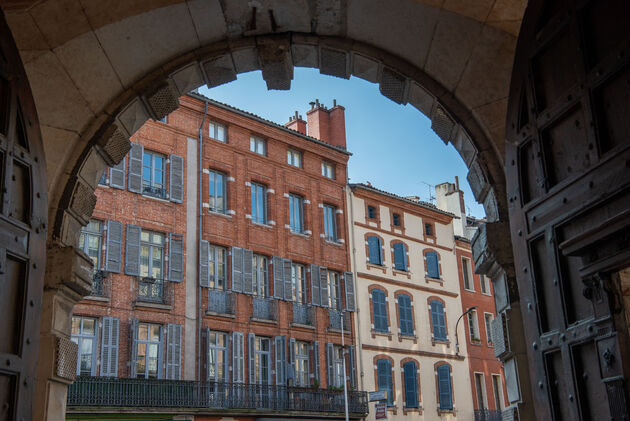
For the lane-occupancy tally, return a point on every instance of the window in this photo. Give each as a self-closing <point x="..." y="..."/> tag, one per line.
<point x="410" y="373"/>
<point x="148" y="351"/>
<point x="384" y="379"/>
<point x="217" y="357"/>
<point x="298" y="279"/>
<point x="330" y="223"/>
<point x="379" y="309"/>
<point x="375" y="247"/>
<point x="334" y="290"/>
<point x="259" y="272"/>
<point x="153" y="174"/>
<point x="217" y="192"/>
<point x="301" y="364"/>
<point x="473" y="325"/>
<point x="339" y="375"/>
<point x="328" y="170"/>
<point x="217" y="131"/>
<point x="90" y="242"/>
<point x="433" y="266"/>
<point x="84" y="335"/>
<point x="444" y="387"/>
<point x="498" y="391"/>
<point x="371" y="212"/>
<point x="257" y="145"/>
<point x="103" y="179"/>
<point x="467" y="274"/>
<point x="405" y="315"/>
<point x="438" y="320"/>
<point x="294" y="158"/>
<point x="151" y="254"/>
<point x="296" y="212"/>
<point x="164" y="119"/>
<point x="396" y="219"/>
<point x="400" y="257"/>
<point x="485" y="288"/>
<point x="428" y="230"/>
<point x="488" y="317"/>
<point x="480" y="389"/>
<point x="216" y="266"/>
<point x="259" y="203"/>
<point x="262" y="360"/>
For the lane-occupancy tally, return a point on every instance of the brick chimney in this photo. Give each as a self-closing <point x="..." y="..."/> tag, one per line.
<point x="296" y="123"/>
<point x="327" y="125"/>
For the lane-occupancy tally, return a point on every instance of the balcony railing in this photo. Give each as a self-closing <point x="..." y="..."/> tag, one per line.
<point x="264" y="308"/>
<point x="159" y="192"/>
<point x="221" y="302"/>
<point x="156" y="291"/>
<point x="303" y="314"/>
<point x="100" y="284"/>
<point x="335" y="320"/>
<point x="151" y="393"/>
<point x="487" y="415"/>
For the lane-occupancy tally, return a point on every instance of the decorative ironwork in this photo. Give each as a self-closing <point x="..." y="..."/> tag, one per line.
<point x="100" y="284"/>
<point x="221" y="302"/>
<point x="487" y="415"/>
<point x="159" y="192"/>
<point x="153" y="291"/>
<point x="264" y="308"/>
<point x="151" y="393"/>
<point x="335" y="320"/>
<point x="303" y="314"/>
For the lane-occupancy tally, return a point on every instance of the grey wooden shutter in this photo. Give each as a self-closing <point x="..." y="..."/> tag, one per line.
<point x="288" y="281"/>
<point x="281" y="350"/>
<point x="204" y="273"/>
<point x="238" y="361"/>
<point x="316" y="298"/>
<point x="352" y="363"/>
<point x="133" y="336"/>
<point x="109" y="346"/>
<point x="251" y="362"/>
<point x="278" y="278"/>
<point x="292" y="363"/>
<point x="176" y="177"/>
<point x="348" y="279"/>
<point x="248" y="278"/>
<point x="162" y="353"/>
<point x="237" y="269"/>
<point x="132" y="250"/>
<point x="316" y="362"/>
<point x="323" y="286"/>
<point x="117" y="175"/>
<point x="134" y="183"/>
<point x="113" y="254"/>
<point x="173" y="351"/>
<point x="176" y="258"/>
<point x="330" y="368"/>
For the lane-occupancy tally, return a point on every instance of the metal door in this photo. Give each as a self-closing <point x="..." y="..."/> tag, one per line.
<point x="568" y="175"/>
<point x="23" y="207"/>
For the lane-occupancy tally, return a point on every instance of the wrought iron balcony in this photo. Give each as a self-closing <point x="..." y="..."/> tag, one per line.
<point x="103" y="392"/>
<point x="221" y="302"/>
<point x="264" y="308"/>
<point x="487" y="415"/>
<point x="303" y="314"/>
<point x="100" y="284"/>
<point x="335" y="320"/>
<point x="156" y="291"/>
<point x="159" y="192"/>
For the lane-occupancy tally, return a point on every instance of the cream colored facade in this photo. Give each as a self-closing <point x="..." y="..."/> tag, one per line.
<point x="426" y="352"/>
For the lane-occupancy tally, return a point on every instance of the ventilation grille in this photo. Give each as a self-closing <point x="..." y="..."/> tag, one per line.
<point x="66" y="359"/>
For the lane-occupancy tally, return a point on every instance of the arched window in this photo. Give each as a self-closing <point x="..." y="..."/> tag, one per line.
<point x="411" y="384"/>
<point x="433" y="267"/>
<point x="375" y="250"/>
<point x="405" y="315"/>
<point x="384" y="379"/>
<point x="379" y="309"/>
<point x="438" y="320"/>
<point x="400" y="257"/>
<point x="445" y="392"/>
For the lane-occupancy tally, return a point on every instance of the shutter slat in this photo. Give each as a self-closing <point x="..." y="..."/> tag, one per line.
<point x="106" y="334"/>
<point x="291" y="369"/>
<point x="251" y="339"/>
<point x="134" y="184"/>
<point x="238" y="361"/>
<point x="176" y="258"/>
<point x="349" y="284"/>
<point x="316" y="299"/>
<point x="433" y="269"/>
<point x="316" y="370"/>
<point x="176" y="177"/>
<point x="288" y="281"/>
<point x="323" y="286"/>
<point x="117" y="175"/>
<point x="237" y="269"/>
<point x="280" y="360"/>
<point x="113" y="254"/>
<point x="204" y="272"/>
<point x="278" y="278"/>
<point x="352" y="362"/>
<point x="400" y="257"/>
<point x="134" y="347"/>
<point x="132" y="250"/>
<point x="330" y="369"/>
<point x="248" y="278"/>
<point x="173" y="351"/>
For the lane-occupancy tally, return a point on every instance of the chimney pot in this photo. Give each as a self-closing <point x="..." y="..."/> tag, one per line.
<point x="334" y="103"/>
<point x="312" y="104"/>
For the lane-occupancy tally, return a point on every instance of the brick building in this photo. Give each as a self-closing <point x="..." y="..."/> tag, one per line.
<point x="221" y="265"/>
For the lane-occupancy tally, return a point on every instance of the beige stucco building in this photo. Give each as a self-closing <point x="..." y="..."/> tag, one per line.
<point x="407" y="289"/>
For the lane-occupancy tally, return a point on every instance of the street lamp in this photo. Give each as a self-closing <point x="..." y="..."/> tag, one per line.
<point x="456" y="337"/>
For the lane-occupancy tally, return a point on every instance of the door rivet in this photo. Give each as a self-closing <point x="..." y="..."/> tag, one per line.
<point x="529" y="306"/>
<point x="540" y="385"/>
<point x="535" y="345"/>
<point x="555" y="282"/>
<point x="549" y="341"/>
<point x="563" y="337"/>
<point x="8" y="362"/>
<point x="520" y="233"/>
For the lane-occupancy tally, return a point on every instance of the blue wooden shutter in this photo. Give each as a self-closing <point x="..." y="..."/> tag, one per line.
<point x="132" y="250"/>
<point x="291" y="364"/>
<point x="411" y="384"/>
<point x="352" y="362"/>
<point x="204" y="272"/>
<point x="278" y="278"/>
<point x="380" y="310"/>
<point x="404" y="312"/>
<point x="316" y="362"/>
<point x="176" y="178"/>
<point x="238" y="361"/>
<point x="400" y="257"/>
<point x="330" y="368"/>
<point x="176" y="258"/>
<point x="113" y="254"/>
<point x="374" y="247"/>
<point x="173" y="351"/>
<point x="444" y="386"/>
<point x="109" y="346"/>
<point x="251" y="362"/>
<point x="237" y="269"/>
<point x="134" y="184"/>
<point x="348" y="280"/>
<point x="133" y="334"/>
<point x="281" y="349"/>
<point x="433" y="269"/>
<point x="316" y="298"/>
<point x="288" y="281"/>
<point x="437" y="316"/>
<point x="384" y="374"/>
<point x="117" y="175"/>
<point x="323" y="286"/>
<point x="248" y="277"/>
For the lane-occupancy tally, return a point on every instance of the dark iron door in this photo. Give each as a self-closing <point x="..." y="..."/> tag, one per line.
<point x="568" y="175"/>
<point x="23" y="207"/>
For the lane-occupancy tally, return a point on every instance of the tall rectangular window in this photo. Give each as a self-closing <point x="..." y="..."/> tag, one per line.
<point x="294" y="158"/>
<point x="151" y="254"/>
<point x="84" y="335"/>
<point x="488" y="317"/>
<point x="334" y="290"/>
<point x="375" y="251"/>
<point x="148" y="351"/>
<point x="379" y="310"/>
<point x="153" y="180"/>
<point x="433" y="265"/>
<point x="371" y="212"/>
<point x="298" y="279"/>
<point x="330" y="223"/>
<point x="259" y="203"/>
<point x="90" y="242"/>
<point x="396" y="219"/>
<point x="338" y="374"/>
<point x="467" y="274"/>
<point x="497" y="388"/>
<point x="216" y="266"/>
<point x="328" y="170"/>
<point x="259" y="272"/>
<point x="405" y="315"/>
<point x="262" y="360"/>
<point x="473" y="325"/>
<point x="411" y="384"/>
<point x="217" y="357"/>
<point x="480" y="389"/>
<point x="257" y="145"/>
<point x="301" y="364"/>
<point x="217" y="131"/>
<point x="485" y="288"/>
<point x="438" y="320"/>
<point x="445" y="392"/>
<point x="400" y="257"/>
<point x="217" y="196"/>
<point x="384" y="380"/>
<point x="296" y="212"/>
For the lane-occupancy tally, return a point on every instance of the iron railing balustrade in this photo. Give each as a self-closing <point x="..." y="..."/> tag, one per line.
<point x="152" y="290"/>
<point x="487" y="415"/>
<point x="264" y="308"/>
<point x="221" y="302"/>
<point x="335" y="320"/>
<point x="303" y="314"/>
<point x="100" y="284"/>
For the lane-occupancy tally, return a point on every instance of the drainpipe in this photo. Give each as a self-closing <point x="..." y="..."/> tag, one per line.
<point x="199" y="223"/>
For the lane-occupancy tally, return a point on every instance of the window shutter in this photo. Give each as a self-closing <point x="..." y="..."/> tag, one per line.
<point x="323" y="286"/>
<point x="291" y="373"/>
<point x="176" y="258"/>
<point x="437" y="315"/>
<point x="278" y="278"/>
<point x="404" y="313"/>
<point x="134" y="184"/>
<point x="117" y="175"/>
<point x="330" y="369"/>
<point x="380" y="310"/>
<point x="173" y="351"/>
<point x="176" y="177"/>
<point x="238" y="360"/>
<point x="433" y="269"/>
<point x="316" y="298"/>
<point x="374" y="250"/>
<point x="109" y="346"/>
<point x="204" y="357"/>
<point x="352" y="362"/>
<point x="411" y="385"/>
<point x="288" y="281"/>
<point x="444" y="386"/>
<point x="133" y="333"/>
<point x="348" y="279"/>
<point x="204" y="271"/>
<point x="114" y="246"/>
<point x="399" y="257"/>
<point x="251" y="342"/>
<point x="132" y="250"/>
<point x="248" y="278"/>
<point x="237" y="269"/>
<point x="316" y="363"/>
<point x="280" y="359"/>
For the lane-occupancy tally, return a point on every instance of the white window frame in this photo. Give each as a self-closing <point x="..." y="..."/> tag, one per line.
<point x="258" y="145"/>
<point x="488" y="324"/>
<point x="148" y="343"/>
<point x="298" y="279"/>
<point x="484" y="392"/>
<point x="86" y="233"/>
<point x="254" y="203"/>
<point x="294" y="158"/>
<point x="78" y="338"/>
<point x="302" y="369"/>
<point x="213" y="175"/>
<point x="334" y="290"/>
<point x="215" y="348"/>
<point x="473" y="326"/>
<point x="337" y="362"/>
<point x="328" y="170"/>
<point x="330" y="211"/>
<point x="214" y="130"/>
<point x="467" y="274"/>
<point x="214" y="264"/>
<point x="152" y="184"/>
<point x="497" y="389"/>
<point x="485" y="285"/>
<point x="258" y="355"/>
<point x="261" y="277"/>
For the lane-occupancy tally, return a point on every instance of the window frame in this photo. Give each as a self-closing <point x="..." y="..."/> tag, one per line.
<point x="298" y="283"/>
<point x="389" y="387"/>
<point x="410" y="314"/>
<point x="87" y="233"/>
<point x="260" y="266"/>
<point x="213" y="264"/>
<point x="337" y="363"/>
<point x="377" y="316"/>
<point x="396" y="217"/>
<point x="469" y="282"/>
<point x="292" y="154"/>
<point x="151" y="245"/>
<point x="429" y="273"/>
<point x="302" y="361"/>
<point x="480" y="386"/>
<point x="213" y="131"/>
<point x="406" y="391"/>
<point x="150" y="188"/>
<point x="80" y="338"/>
<point x="296" y="208"/>
<point x="259" y="353"/>
<point x="488" y="326"/>
<point x="213" y="197"/>
<point x="378" y="249"/>
<point x="372" y="214"/>
<point x="328" y="170"/>
<point x="434" y="311"/>
<point x="149" y="342"/>
<point x="334" y="285"/>
<point x="473" y="326"/>
<point x="216" y="349"/>
<point x="255" y="142"/>
<point x="497" y="390"/>
<point x="330" y="226"/>
<point x="405" y="262"/>
<point x="257" y="188"/>
<point x="442" y="406"/>
<point x="485" y="285"/>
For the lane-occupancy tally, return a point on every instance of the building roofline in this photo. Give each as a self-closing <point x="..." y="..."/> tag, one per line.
<point x="258" y="118"/>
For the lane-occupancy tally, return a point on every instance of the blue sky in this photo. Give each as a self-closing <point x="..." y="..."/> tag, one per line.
<point x="393" y="146"/>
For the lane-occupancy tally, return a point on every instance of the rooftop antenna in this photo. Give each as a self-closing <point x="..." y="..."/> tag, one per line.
<point x="431" y="188"/>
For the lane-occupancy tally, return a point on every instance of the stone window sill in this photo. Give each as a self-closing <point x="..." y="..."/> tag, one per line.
<point x="377" y="267"/>
<point x="299" y="234"/>
<point x="376" y="333"/>
<point x="159" y="199"/>
<point x="447" y="411"/>
<point x="334" y="243"/>
<point x="221" y="214"/>
<point x="401" y="272"/>
<point x="413" y="338"/>
<point x="267" y="226"/>
<point x="270" y="322"/>
<point x="214" y="313"/>
<point x="153" y="305"/>
<point x="301" y="326"/>
<point x="406" y="410"/>
<point x="96" y="298"/>
<point x="438" y="280"/>
<point x="441" y="342"/>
